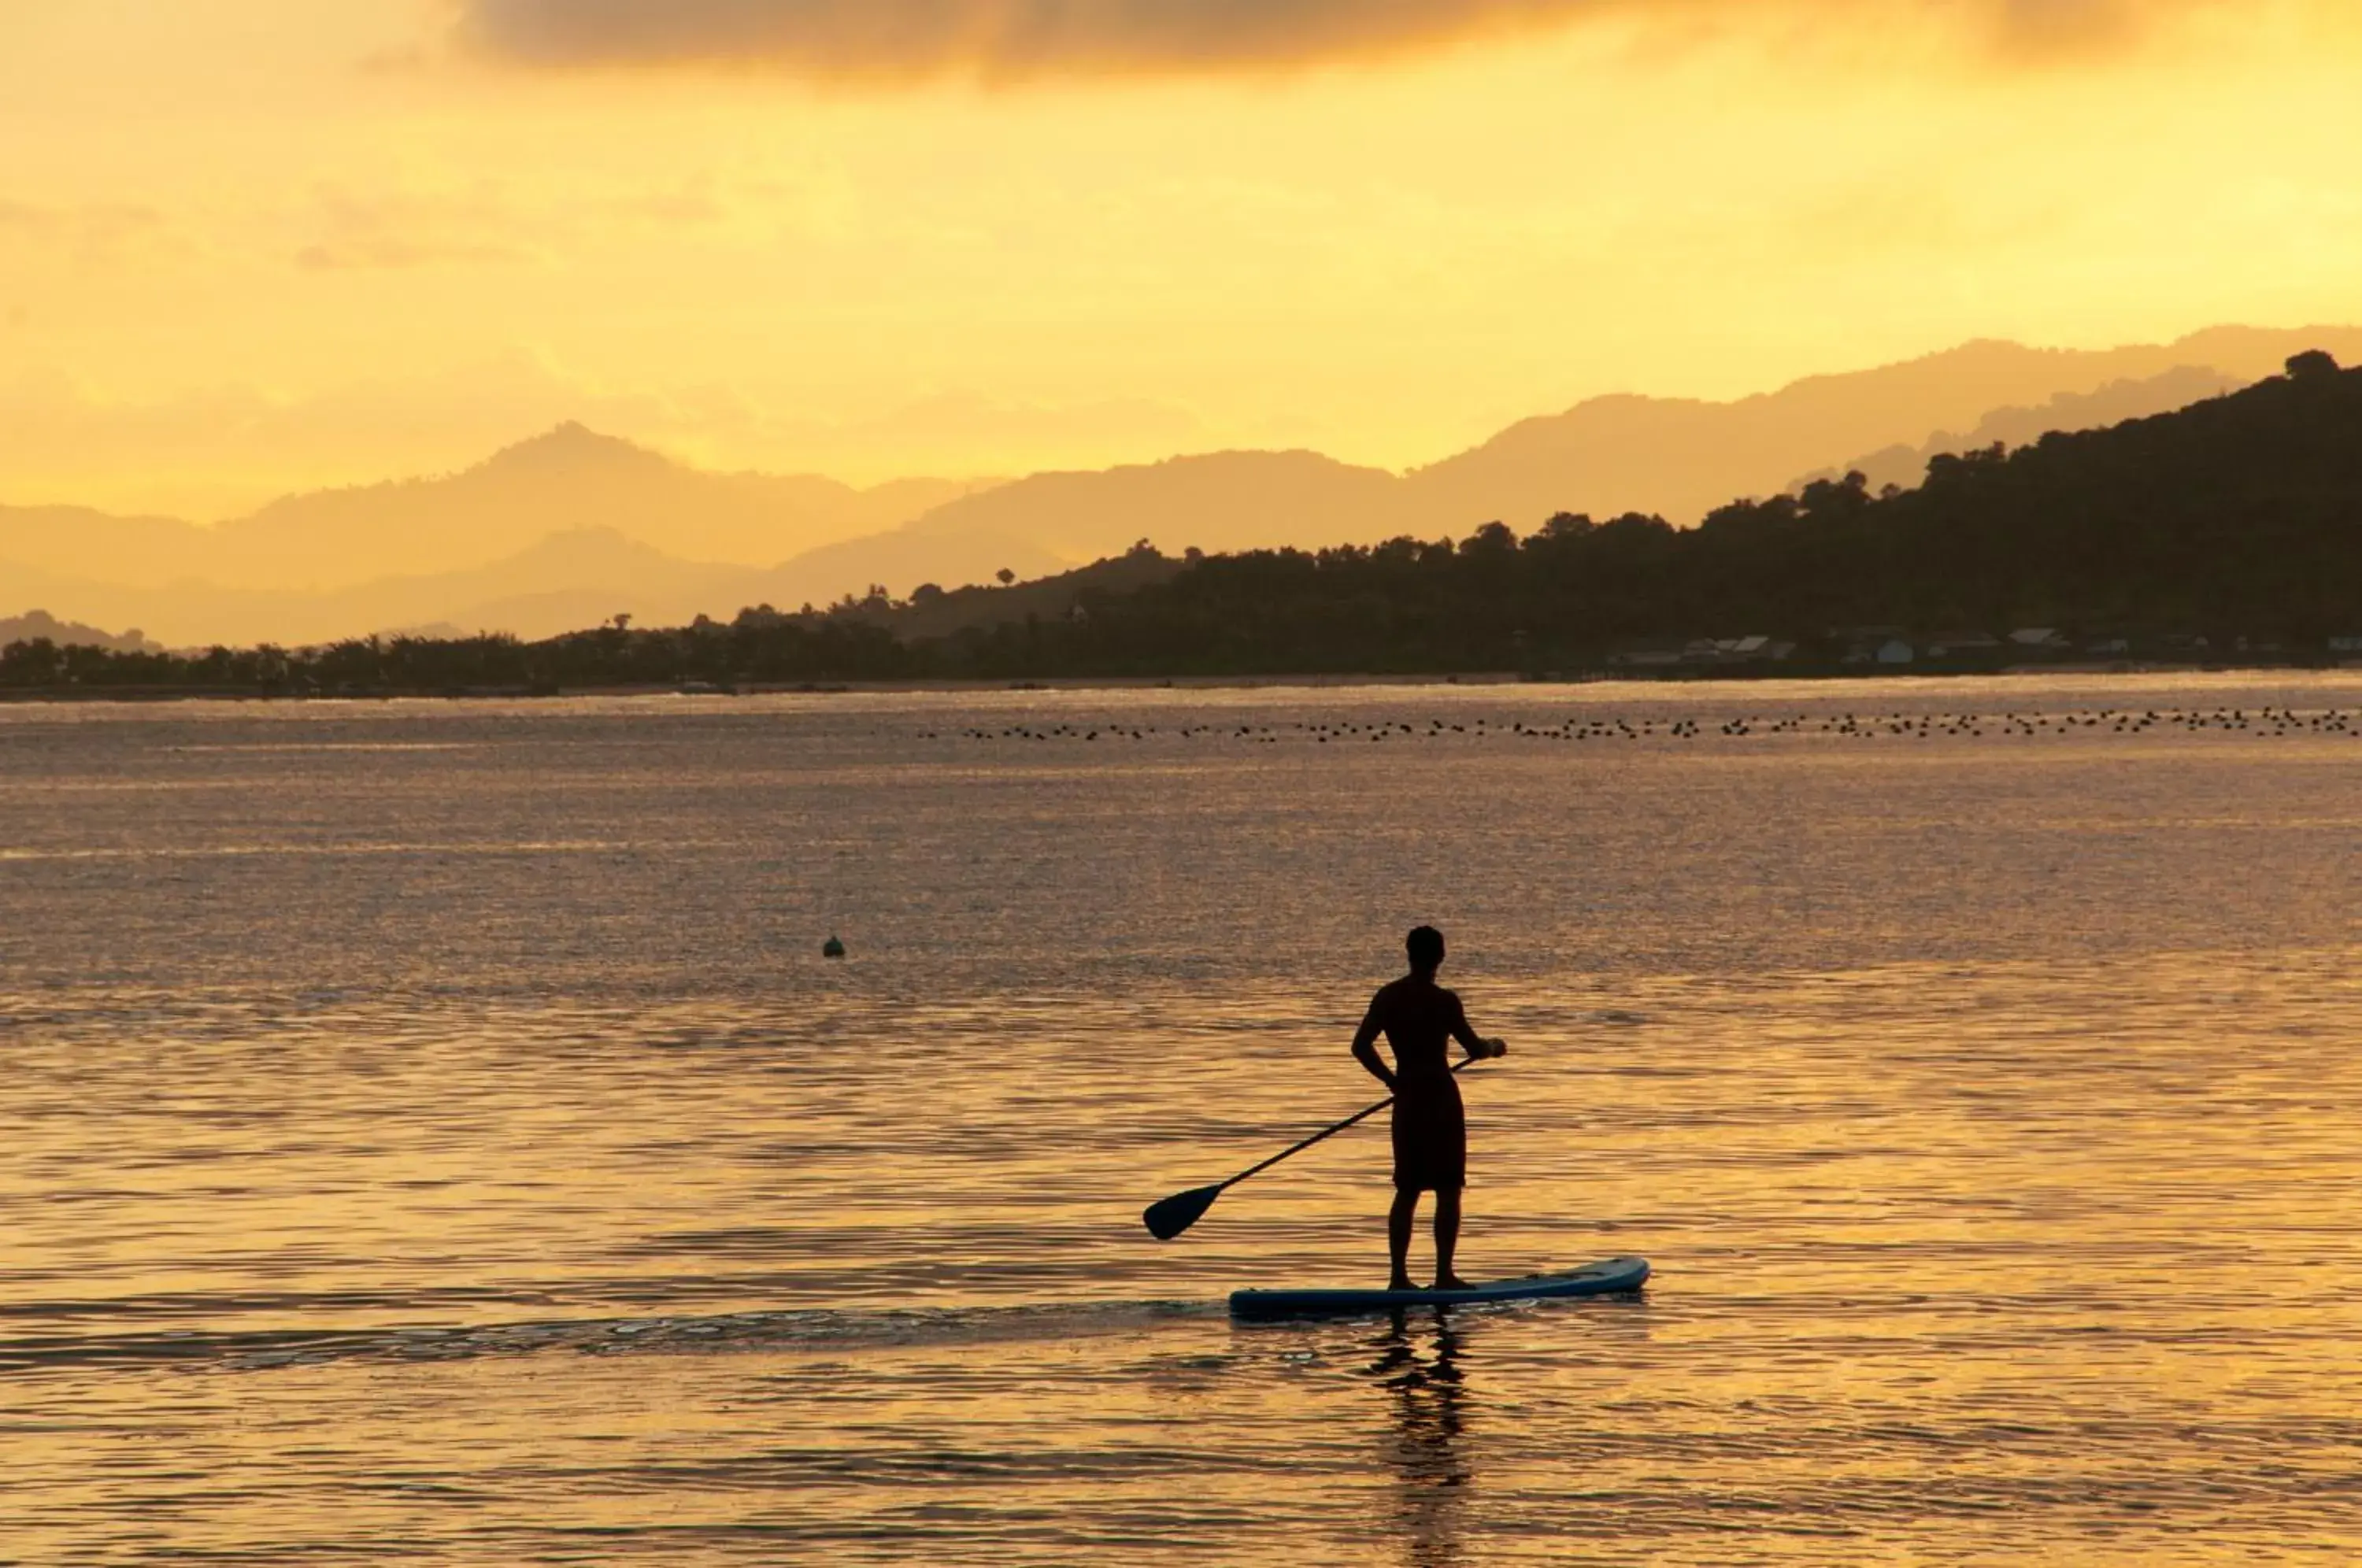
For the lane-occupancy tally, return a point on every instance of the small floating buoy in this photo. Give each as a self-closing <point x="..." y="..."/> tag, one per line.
<point x="832" y="948"/>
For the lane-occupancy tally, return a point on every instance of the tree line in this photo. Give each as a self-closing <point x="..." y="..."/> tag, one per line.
<point x="2238" y="517"/>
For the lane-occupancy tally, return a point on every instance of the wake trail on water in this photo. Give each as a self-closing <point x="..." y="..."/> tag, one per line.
<point x="745" y="1333"/>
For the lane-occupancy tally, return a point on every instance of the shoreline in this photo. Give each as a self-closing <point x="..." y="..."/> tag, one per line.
<point x="66" y="696"/>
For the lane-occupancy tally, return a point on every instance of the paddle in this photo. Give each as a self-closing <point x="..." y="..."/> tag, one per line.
<point x="1169" y="1216"/>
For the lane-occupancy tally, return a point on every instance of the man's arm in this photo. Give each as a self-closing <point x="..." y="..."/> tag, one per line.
<point x="1467" y="1034"/>
<point x="1365" y="1049"/>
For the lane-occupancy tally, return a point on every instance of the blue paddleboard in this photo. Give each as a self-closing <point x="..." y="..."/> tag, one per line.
<point x="1592" y="1279"/>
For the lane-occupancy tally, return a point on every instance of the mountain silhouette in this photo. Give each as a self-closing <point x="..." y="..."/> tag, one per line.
<point x="1679" y="460"/>
<point x="40" y="625"/>
<point x="565" y="580"/>
<point x="2224" y="531"/>
<point x="76" y="542"/>
<point x="459" y="548"/>
<point x="1219" y="500"/>
<point x="2231" y="528"/>
<point x="568" y="479"/>
<point x="2067" y="412"/>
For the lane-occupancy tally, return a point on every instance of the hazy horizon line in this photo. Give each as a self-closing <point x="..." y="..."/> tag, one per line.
<point x="656" y="446"/>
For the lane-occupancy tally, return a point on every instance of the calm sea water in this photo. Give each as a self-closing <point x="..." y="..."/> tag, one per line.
<point x="432" y="1135"/>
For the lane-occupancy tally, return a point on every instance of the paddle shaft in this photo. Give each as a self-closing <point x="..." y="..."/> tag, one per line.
<point x="1355" y="1120"/>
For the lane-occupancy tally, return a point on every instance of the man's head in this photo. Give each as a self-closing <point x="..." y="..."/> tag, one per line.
<point x="1425" y="948"/>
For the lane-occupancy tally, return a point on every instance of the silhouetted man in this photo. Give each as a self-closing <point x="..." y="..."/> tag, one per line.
<point x="1420" y="1020"/>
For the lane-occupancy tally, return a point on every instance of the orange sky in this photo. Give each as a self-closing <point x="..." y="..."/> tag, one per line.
<point x="257" y="245"/>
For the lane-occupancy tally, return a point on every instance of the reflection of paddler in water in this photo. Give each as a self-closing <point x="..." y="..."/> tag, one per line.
<point x="1430" y="1414"/>
<point x="1421" y="1020"/>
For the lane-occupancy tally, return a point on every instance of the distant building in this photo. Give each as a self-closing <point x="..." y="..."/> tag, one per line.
<point x="1862" y="643"/>
<point x="1756" y="649"/>
<point x="1964" y="644"/>
<point x="1894" y="650"/>
<point x="1649" y="653"/>
<point x="2039" y="640"/>
<point x="1664" y="653"/>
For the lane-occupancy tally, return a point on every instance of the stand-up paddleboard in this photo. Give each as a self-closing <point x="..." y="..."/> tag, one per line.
<point x="1592" y="1279"/>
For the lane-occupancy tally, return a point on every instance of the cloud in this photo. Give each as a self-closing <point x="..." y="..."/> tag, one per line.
<point x="996" y="38"/>
<point x="486" y="224"/>
<point x="393" y="253"/>
<point x="2066" y="27"/>
<point x="1027" y="38"/>
<point x="92" y="233"/>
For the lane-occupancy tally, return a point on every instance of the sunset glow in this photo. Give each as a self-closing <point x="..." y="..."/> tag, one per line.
<point x="263" y="245"/>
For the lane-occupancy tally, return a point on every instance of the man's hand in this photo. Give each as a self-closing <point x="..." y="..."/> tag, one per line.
<point x="1496" y="1048"/>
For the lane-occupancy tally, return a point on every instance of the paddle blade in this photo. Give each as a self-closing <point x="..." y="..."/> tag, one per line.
<point x="1175" y="1214"/>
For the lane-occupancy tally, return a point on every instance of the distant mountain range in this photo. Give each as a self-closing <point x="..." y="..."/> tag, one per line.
<point x="2066" y="412"/>
<point x="568" y="479"/>
<point x="2228" y="532"/>
<point x="579" y="578"/>
<point x="1680" y="459"/>
<point x="573" y="527"/>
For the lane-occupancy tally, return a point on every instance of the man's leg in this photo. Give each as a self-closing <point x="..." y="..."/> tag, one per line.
<point x="1447" y="1239"/>
<point x="1399" y="1224"/>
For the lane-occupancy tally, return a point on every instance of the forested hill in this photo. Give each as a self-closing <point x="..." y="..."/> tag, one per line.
<point x="2241" y="515"/>
<point x="2237" y="522"/>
